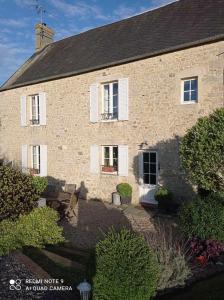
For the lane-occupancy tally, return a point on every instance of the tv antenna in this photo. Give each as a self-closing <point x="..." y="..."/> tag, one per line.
<point x="40" y="11"/>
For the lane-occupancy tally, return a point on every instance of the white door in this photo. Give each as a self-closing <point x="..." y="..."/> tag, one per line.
<point x="148" y="176"/>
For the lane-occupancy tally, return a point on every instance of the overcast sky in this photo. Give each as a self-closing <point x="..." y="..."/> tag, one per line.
<point x="66" y="17"/>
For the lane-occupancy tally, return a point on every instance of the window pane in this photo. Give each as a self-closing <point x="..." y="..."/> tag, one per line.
<point x="146" y="178"/>
<point x="194" y="95"/>
<point x="115" y="152"/>
<point x="194" y="84"/>
<point x="146" y="168"/>
<point x="186" y="96"/>
<point x="153" y="157"/>
<point x="106" y="152"/>
<point x="115" y="88"/>
<point x="153" y="168"/>
<point x="145" y="157"/>
<point x="186" y="85"/>
<point x="153" y="179"/>
<point x="106" y="97"/>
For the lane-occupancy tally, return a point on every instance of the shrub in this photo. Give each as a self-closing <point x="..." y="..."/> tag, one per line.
<point x="35" y="229"/>
<point x="124" y="190"/>
<point x="209" y="249"/>
<point x="164" y="198"/>
<point x="172" y="254"/>
<point x="201" y="152"/>
<point x="40" y="184"/>
<point x="17" y="193"/>
<point x="125" y="268"/>
<point x="203" y="217"/>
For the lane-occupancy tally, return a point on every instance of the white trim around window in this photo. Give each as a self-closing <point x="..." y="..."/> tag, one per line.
<point x="34" y="110"/>
<point x="189" y="90"/>
<point x="109" y="92"/>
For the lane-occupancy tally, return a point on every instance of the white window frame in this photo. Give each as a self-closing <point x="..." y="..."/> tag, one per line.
<point x="111" y="104"/>
<point x="157" y="167"/>
<point x="111" y="160"/>
<point x="182" y="90"/>
<point x="37" y="105"/>
<point x="37" y="154"/>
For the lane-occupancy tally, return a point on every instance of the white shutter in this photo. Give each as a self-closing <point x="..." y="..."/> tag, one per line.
<point x="23" y="110"/>
<point x="24" y="158"/>
<point x="43" y="160"/>
<point x="42" y="103"/>
<point x="140" y="167"/>
<point x="94" y="159"/>
<point x="123" y="160"/>
<point x="94" y="111"/>
<point x="123" y="99"/>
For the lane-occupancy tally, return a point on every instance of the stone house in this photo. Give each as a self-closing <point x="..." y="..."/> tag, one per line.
<point x="110" y="105"/>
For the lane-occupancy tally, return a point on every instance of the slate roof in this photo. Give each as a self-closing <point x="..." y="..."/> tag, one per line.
<point x="179" y="25"/>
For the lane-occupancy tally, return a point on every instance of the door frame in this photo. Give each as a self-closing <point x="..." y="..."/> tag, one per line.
<point x="141" y="174"/>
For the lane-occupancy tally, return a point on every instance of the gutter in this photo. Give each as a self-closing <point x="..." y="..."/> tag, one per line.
<point x="116" y="63"/>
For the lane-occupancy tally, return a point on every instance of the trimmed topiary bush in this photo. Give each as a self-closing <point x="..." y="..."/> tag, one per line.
<point x="202" y="152"/>
<point x="164" y="198"/>
<point x="17" y="193"/>
<point x="35" y="229"/>
<point x="203" y="217"/>
<point x="125" y="191"/>
<point x="40" y="184"/>
<point x="126" y="268"/>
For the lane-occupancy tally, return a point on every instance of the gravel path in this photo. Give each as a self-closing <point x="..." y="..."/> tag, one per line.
<point x="11" y="269"/>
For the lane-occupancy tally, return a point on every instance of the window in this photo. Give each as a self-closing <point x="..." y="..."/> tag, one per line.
<point x="190" y="90"/>
<point x="110" y="101"/>
<point x="35" y="162"/>
<point x="35" y="110"/>
<point x="150" y="168"/>
<point x="110" y="159"/>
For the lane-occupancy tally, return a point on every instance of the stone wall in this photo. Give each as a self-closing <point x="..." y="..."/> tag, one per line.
<point x="156" y="116"/>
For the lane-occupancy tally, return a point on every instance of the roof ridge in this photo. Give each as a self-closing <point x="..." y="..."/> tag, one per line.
<point x="120" y="21"/>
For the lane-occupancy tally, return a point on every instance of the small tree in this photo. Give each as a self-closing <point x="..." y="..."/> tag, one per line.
<point x="17" y="193"/>
<point x="202" y="152"/>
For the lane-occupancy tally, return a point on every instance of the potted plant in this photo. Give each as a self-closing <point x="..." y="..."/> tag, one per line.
<point x="108" y="169"/>
<point x="125" y="191"/>
<point x="164" y="198"/>
<point x="40" y="184"/>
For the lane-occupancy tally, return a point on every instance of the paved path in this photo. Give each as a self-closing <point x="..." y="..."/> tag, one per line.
<point x="93" y="218"/>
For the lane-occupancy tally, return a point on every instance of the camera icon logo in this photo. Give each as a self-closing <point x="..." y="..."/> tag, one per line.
<point x="15" y="284"/>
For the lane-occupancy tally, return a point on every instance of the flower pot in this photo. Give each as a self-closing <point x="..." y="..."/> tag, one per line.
<point x="126" y="200"/>
<point x="108" y="169"/>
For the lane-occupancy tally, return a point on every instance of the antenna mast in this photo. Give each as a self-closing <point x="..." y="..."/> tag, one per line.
<point x="40" y="11"/>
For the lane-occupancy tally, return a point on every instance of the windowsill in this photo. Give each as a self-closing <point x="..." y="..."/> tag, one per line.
<point x="109" y="173"/>
<point x="189" y="102"/>
<point x="109" y="120"/>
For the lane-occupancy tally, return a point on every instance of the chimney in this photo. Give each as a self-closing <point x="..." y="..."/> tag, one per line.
<point x="44" y="35"/>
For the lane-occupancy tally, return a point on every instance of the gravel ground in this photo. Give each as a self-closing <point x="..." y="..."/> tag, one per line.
<point x="11" y="269"/>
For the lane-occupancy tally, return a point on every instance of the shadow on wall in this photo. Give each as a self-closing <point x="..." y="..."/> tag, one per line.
<point x="170" y="173"/>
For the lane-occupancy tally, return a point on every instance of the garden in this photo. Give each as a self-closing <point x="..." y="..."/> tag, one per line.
<point x="126" y="264"/>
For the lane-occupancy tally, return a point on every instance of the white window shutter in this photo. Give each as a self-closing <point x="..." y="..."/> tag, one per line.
<point x="123" y="160"/>
<point x="42" y="102"/>
<point x="43" y="160"/>
<point x="123" y="99"/>
<point x="140" y="167"/>
<point x="23" y="110"/>
<point x="94" y="159"/>
<point x="24" y="158"/>
<point x="94" y="111"/>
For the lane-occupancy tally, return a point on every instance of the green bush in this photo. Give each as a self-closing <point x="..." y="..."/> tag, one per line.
<point x="40" y="184"/>
<point x="203" y="217"/>
<point x="125" y="268"/>
<point x="17" y="193"/>
<point x="202" y="152"/>
<point x="164" y="198"/>
<point x="171" y="254"/>
<point x="124" y="190"/>
<point x="35" y="229"/>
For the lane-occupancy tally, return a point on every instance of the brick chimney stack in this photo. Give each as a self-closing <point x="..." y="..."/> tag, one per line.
<point x="44" y="35"/>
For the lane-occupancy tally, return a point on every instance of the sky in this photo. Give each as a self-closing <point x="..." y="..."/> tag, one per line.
<point x="65" y="17"/>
